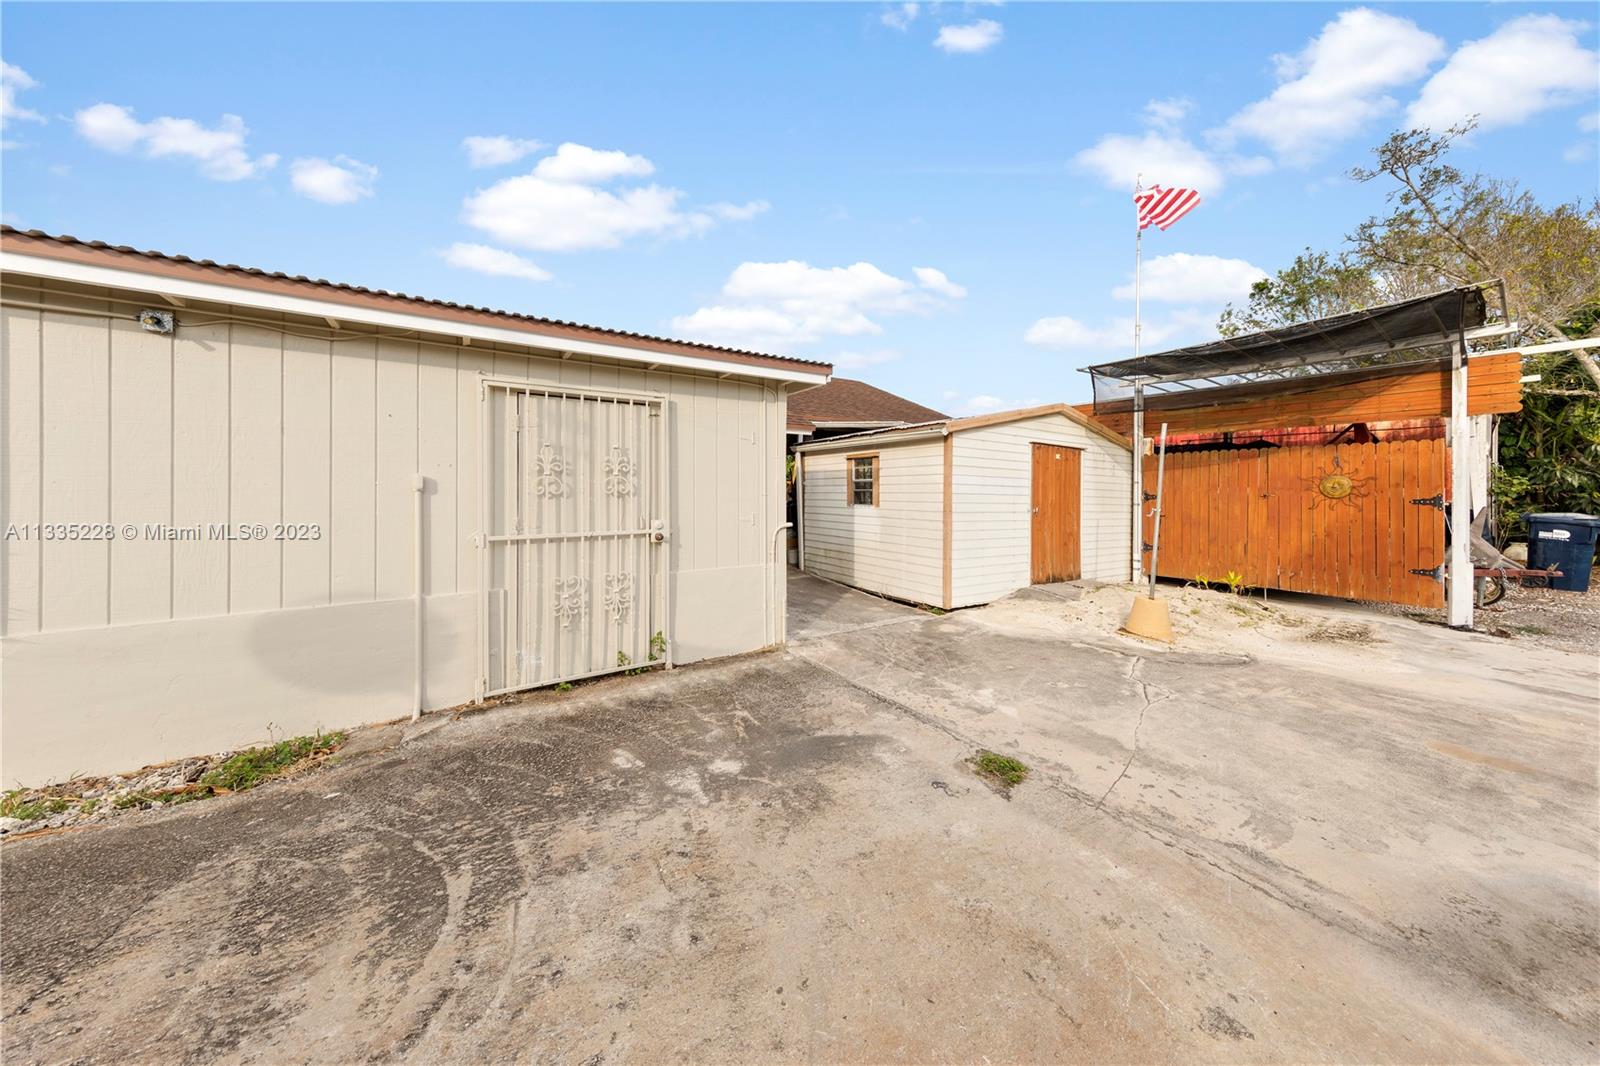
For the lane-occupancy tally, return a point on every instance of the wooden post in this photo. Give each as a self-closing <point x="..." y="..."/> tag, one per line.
<point x="1138" y="481"/>
<point x="1458" y="591"/>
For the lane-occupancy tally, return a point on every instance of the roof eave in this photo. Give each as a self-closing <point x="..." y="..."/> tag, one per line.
<point x="28" y="257"/>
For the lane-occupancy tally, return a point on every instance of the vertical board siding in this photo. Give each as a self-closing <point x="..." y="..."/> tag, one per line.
<point x="895" y="548"/>
<point x="438" y="444"/>
<point x="20" y="437"/>
<point x="200" y="463"/>
<point x="141" y="472"/>
<point x="76" y="466"/>
<point x="1259" y="517"/>
<point x="992" y="505"/>
<point x="307" y="462"/>
<point x="353" y="524"/>
<point x="397" y="466"/>
<point x="255" y="469"/>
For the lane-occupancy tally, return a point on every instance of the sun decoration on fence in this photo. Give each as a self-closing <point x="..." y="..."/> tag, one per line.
<point x="1334" y="487"/>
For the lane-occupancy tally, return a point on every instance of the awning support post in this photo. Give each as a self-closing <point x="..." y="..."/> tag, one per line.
<point x="1138" y="481"/>
<point x="1458" y="591"/>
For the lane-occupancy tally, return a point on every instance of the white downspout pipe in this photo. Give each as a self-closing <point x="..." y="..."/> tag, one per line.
<point x="419" y="485"/>
<point x="779" y="569"/>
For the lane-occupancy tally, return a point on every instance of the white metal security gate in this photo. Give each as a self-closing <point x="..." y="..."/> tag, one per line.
<point x="572" y="496"/>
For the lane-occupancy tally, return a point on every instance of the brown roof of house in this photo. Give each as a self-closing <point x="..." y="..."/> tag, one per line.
<point x="71" y="249"/>
<point x="851" y="402"/>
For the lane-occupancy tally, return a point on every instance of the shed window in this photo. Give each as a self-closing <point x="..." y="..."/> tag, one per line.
<point x="864" y="480"/>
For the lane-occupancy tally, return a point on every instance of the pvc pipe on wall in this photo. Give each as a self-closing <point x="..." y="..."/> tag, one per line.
<point x="419" y="485"/>
<point x="772" y="597"/>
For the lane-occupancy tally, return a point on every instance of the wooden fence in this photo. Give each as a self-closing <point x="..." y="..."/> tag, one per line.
<point x="1337" y="520"/>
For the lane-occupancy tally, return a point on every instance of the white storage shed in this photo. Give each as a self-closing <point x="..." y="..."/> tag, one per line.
<point x="238" y="503"/>
<point x="963" y="511"/>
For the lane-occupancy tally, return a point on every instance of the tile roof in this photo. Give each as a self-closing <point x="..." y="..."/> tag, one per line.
<point x="72" y="249"/>
<point x="852" y="402"/>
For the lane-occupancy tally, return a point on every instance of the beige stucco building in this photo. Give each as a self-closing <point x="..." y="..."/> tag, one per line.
<point x="239" y="503"/>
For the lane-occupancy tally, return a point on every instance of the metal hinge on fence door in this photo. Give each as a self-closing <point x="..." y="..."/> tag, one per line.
<point x="1437" y="573"/>
<point x="1436" y="502"/>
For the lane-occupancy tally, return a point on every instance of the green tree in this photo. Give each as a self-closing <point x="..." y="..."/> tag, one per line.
<point x="1315" y="285"/>
<point x="1446" y="228"/>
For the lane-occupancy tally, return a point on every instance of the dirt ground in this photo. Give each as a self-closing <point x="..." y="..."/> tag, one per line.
<point x="1569" y="620"/>
<point x="1304" y="833"/>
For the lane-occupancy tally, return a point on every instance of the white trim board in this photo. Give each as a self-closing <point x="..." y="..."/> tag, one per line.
<point x="88" y="274"/>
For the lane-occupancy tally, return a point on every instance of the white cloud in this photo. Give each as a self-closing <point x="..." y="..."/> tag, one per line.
<point x="1115" y="338"/>
<point x="110" y="127"/>
<point x="13" y="80"/>
<point x="977" y="36"/>
<point x="936" y="281"/>
<point x="861" y="360"/>
<point x="579" y="164"/>
<point x="219" y="151"/>
<point x="553" y="216"/>
<point x="1167" y="114"/>
<point x="1529" y="64"/>
<point x="1064" y="331"/>
<point x="794" y="303"/>
<point x="981" y="404"/>
<point x="1337" y="84"/>
<point x="1185" y="278"/>
<point x="740" y="212"/>
<point x="1590" y="123"/>
<point x="560" y="206"/>
<point x="340" y="181"/>
<point x="495" y="261"/>
<point x="497" y="151"/>
<point x="1164" y="158"/>
<point x="900" y="16"/>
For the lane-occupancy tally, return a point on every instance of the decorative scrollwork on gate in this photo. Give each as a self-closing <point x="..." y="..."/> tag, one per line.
<point x="572" y="599"/>
<point x="618" y="597"/>
<point x="549" y="472"/>
<point x="619" y="472"/>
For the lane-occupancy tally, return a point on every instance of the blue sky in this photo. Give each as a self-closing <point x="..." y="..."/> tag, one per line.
<point x="935" y="196"/>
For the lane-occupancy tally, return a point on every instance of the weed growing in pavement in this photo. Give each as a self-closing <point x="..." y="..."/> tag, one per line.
<point x="248" y="769"/>
<point x="1003" y="770"/>
<point x="22" y="804"/>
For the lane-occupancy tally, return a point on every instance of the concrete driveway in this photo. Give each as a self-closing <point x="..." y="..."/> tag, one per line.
<point x="1304" y="834"/>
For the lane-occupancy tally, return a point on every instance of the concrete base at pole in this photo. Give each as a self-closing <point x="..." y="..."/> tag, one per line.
<point x="1149" y="618"/>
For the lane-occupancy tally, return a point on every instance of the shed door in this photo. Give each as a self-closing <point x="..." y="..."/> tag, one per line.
<point x="1057" y="488"/>
<point x="572" y="491"/>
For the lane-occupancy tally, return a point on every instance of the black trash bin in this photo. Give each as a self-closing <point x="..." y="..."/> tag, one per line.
<point x="1566" y="541"/>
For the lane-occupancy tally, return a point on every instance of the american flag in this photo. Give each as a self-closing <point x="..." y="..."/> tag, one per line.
<point x="1160" y="207"/>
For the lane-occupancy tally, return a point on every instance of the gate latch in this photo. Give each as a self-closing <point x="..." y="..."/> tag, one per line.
<point x="1436" y="502"/>
<point x="658" y="531"/>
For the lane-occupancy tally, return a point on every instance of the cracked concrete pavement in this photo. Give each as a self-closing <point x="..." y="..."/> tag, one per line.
<point x="1303" y="834"/>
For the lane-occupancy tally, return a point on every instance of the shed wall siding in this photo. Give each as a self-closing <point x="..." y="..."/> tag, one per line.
<point x="115" y="653"/>
<point x="895" y="548"/>
<point x="992" y="506"/>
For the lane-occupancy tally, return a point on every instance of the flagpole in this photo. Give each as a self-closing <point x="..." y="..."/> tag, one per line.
<point x="1138" y="396"/>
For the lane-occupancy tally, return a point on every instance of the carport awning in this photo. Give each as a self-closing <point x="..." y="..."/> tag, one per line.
<point x="1405" y="326"/>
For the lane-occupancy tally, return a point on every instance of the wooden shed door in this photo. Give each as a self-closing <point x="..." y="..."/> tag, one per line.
<point x="1057" y="481"/>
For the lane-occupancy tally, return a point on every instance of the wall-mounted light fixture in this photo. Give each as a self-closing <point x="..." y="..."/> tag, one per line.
<point x="156" y="321"/>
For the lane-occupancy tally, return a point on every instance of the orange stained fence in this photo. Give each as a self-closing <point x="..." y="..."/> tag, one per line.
<point x="1336" y="520"/>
